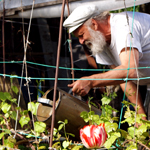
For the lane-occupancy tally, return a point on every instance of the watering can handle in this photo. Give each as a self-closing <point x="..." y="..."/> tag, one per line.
<point x="45" y="101"/>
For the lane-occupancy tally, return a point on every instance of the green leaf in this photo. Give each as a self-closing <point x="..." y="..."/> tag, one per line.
<point x="126" y="103"/>
<point x="14" y="100"/>
<point x="131" y="131"/>
<point x="132" y="147"/>
<point x="112" y="139"/>
<point x="114" y="94"/>
<point x="60" y="122"/>
<point x="39" y="127"/>
<point x="8" y="96"/>
<point x="33" y="107"/>
<point x="1" y="118"/>
<point x="42" y="147"/>
<point x="141" y="130"/>
<point x="70" y="134"/>
<point x="123" y="133"/>
<point x="11" y="139"/>
<point x="90" y="98"/>
<point x="84" y="115"/>
<point x="78" y="147"/>
<point x="57" y="144"/>
<point x="93" y="104"/>
<point x="96" y="119"/>
<point x="13" y="115"/>
<point x="66" y="121"/>
<point x="17" y="108"/>
<point x="139" y="118"/>
<point x="1" y="135"/>
<point x="129" y="120"/>
<point x="7" y="115"/>
<point x="146" y="134"/>
<point x="15" y="89"/>
<point x="108" y="109"/>
<point x="5" y="107"/>
<point x="65" y="144"/>
<point x="55" y="131"/>
<point x="2" y="96"/>
<point x="91" y="113"/>
<point x="111" y="126"/>
<point x="127" y="113"/>
<point x="24" y="120"/>
<point x="115" y="118"/>
<point x="60" y="127"/>
<point x="106" y="100"/>
<point x="25" y="112"/>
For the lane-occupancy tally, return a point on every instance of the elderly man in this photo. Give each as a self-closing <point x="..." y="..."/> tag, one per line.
<point x="111" y="42"/>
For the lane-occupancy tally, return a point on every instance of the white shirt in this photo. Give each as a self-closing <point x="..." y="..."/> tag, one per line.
<point x="121" y="38"/>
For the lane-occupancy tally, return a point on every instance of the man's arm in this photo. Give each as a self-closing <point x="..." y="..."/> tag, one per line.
<point x="83" y="86"/>
<point x="132" y="94"/>
<point x="129" y="59"/>
<point x="131" y="89"/>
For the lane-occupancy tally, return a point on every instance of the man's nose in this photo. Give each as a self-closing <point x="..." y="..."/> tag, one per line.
<point x="81" y="40"/>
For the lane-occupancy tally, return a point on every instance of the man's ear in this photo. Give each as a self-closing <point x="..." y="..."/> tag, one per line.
<point x="94" y="25"/>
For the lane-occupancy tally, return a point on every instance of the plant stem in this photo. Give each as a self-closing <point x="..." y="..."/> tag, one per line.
<point x="146" y="143"/>
<point x="117" y="147"/>
<point x="138" y="143"/>
<point x="65" y="132"/>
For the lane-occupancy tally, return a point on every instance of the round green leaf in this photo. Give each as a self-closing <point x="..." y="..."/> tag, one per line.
<point x="8" y="96"/>
<point x="66" y="121"/>
<point x="39" y="127"/>
<point x="24" y="120"/>
<point x="5" y="107"/>
<point x="33" y="107"/>
<point x="84" y="115"/>
<point x="66" y="144"/>
<point x="111" y="126"/>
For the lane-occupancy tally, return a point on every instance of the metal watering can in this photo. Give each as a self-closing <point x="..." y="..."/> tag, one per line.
<point x="67" y="107"/>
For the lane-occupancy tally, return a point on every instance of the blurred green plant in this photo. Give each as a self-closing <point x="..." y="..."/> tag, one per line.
<point x="127" y="9"/>
<point x="119" y="138"/>
<point x="8" y="113"/>
<point x="66" y="144"/>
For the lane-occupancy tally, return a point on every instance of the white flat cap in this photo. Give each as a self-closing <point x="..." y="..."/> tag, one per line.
<point x="79" y="16"/>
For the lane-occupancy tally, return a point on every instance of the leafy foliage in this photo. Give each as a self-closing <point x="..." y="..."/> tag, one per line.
<point x="7" y="114"/>
<point x="119" y="138"/>
<point x="116" y="137"/>
<point x="66" y="144"/>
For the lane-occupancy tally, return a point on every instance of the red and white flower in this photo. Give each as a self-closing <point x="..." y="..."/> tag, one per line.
<point x="93" y="136"/>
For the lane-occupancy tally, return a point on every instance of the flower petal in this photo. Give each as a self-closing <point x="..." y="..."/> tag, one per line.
<point x="93" y="136"/>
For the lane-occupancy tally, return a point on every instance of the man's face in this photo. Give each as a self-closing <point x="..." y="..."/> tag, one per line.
<point x="94" y="40"/>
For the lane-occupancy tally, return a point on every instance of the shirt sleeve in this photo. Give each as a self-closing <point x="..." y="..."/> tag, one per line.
<point x="124" y="38"/>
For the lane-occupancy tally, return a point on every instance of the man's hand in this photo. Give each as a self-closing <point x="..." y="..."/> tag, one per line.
<point x="81" y="87"/>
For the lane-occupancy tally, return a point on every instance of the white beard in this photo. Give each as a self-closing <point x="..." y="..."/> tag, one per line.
<point x="97" y="43"/>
